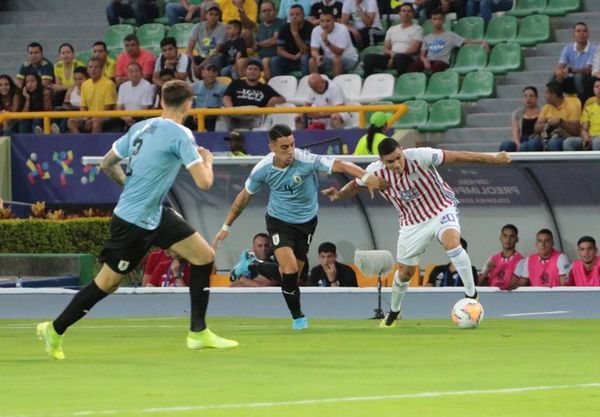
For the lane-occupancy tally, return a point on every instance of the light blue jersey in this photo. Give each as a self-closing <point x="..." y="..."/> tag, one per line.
<point x="156" y="149"/>
<point x="294" y="189"/>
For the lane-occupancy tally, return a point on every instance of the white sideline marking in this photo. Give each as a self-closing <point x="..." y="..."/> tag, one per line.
<point x="434" y="394"/>
<point x="537" y="313"/>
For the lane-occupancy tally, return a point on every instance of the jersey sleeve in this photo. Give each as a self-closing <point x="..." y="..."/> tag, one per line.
<point x="256" y="179"/>
<point x="429" y="157"/>
<point x="319" y="163"/>
<point x="486" y="267"/>
<point x="121" y="146"/>
<point x="186" y="148"/>
<point x="563" y="264"/>
<point x="522" y="269"/>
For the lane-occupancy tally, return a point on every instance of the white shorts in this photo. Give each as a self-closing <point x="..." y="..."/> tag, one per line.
<point x="413" y="240"/>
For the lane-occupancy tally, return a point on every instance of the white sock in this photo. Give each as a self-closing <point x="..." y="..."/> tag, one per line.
<point x="398" y="291"/>
<point x="460" y="258"/>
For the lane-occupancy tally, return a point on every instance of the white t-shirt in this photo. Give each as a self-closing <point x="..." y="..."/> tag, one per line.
<point x="402" y="38"/>
<point x="340" y="37"/>
<point x="183" y="61"/>
<point x="367" y="6"/>
<point x="333" y="96"/>
<point x="134" y="98"/>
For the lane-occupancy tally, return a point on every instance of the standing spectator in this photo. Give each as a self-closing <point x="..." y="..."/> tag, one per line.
<point x="250" y="270"/>
<point x="339" y="54"/>
<point x="10" y="101"/>
<point x="487" y="7"/>
<point x="246" y="11"/>
<point x="36" y="98"/>
<point x="523" y="122"/>
<point x="330" y="272"/>
<point x="133" y="53"/>
<point x="447" y="275"/>
<point x="144" y="11"/>
<point x="293" y="45"/>
<point x="325" y="92"/>
<point x="368" y="143"/>
<point x="183" y="11"/>
<point x="208" y="92"/>
<point x="361" y="17"/>
<point x="285" y="6"/>
<point x="574" y="68"/>
<point x="171" y="58"/>
<point x="64" y="71"/>
<point x="268" y="32"/>
<point x="208" y="37"/>
<point x="237" y="144"/>
<point x="499" y="268"/>
<point x="401" y="46"/>
<point x="317" y="8"/>
<point x="446" y="6"/>
<point x="108" y="64"/>
<point x="585" y="271"/>
<point x="36" y="63"/>
<point x="235" y="51"/>
<point x="590" y="127"/>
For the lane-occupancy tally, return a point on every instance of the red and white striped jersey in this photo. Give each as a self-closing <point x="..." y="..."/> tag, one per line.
<point x="419" y="193"/>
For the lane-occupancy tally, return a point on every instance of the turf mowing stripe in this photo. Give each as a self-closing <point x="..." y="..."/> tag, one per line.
<point x="536" y="313"/>
<point x="311" y="402"/>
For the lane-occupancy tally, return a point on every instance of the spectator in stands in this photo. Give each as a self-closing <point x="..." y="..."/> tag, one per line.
<point x="208" y="92"/>
<point x="401" y="46"/>
<point x="447" y="275"/>
<point x="437" y="46"/>
<point x="330" y="272"/>
<point x="559" y="117"/>
<point x="523" y="122"/>
<point x="254" y="264"/>
<point x="285" y="5"/>
<point x="574" y="69"/>
<point x="487" y="7"/>
<point x="248" y="92"/>
<point x="266" y="37"/>
<point x="368" y="143"/>
<point x="10" y="101"/>
<point x="184" y="11"/>
<point x="97" y="93"/>
<point x="36" y="63"/>
<point x="246" y="11"/>
<point x="585" y="271"/>
<point x="208" y="37"/>
<point x="499" y="268"/>
<point x="446" y="6"/>
<point x="165" y="75"/>
<point x="72" y="99"/>
<point x="235" y="51"/>
<point x="144" y="11"/>
<point x="293" y="45"/>
<point x="545" y="268"/>
<point x="237" y="144"/>
<point x="133" y="53"/>
<point x="170" y="57"/>
<point x="108" y="64"/>
<point x="361" y="17"/>
<point x="64" y="71"/>
<point x="164" y="268"/>
<point x="325" y="92"/>
<point x="590" y="126"/>
<point x="317" y="8"/>
<point x="35" y="98"/>
<point x="339" y="54"/>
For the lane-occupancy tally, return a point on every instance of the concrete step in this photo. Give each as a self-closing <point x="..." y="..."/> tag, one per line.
<point x="473" y="147"/>
<point x="591" y="5"/>
<point x="31" y="32"/>
<point x="493" y="105"/>
<point x="77" y="14"/>
<point x="487" y="119"/>
<point x="544" y="49"/>
<point x="51" y="5"/>
<point x="592" y="18"/>
<point x="525" y="77"/>
<point x="566" y="35"/>
<point x="467" y="135"/>
<point x="516" y="90"/>
<point x="541" y="63"/>
<point x="50" y="45"/>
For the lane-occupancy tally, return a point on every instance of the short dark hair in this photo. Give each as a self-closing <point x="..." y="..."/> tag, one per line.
<point x="387" y="146"/>
<point x="167" y="71"/>
<point x="35" y="45"/>
<point x="237" y="24"/>
<point x="327" y="247"/>
<point x="279" y="131"/>
<point x="555" y="88"/>
<point x="510" y="227"/>
<point x="176" y="92"/>
<point x="437" y="12"/>
<point x="412" y="9"/>
<point x="81" y="70"/>
<point x="545" y="232"/>
<point x="580" y="24"/>
<point x="327" y="11"/>
<point x="584" y="239"/>
<point x="261" y="234"/>
<point x="169" y="40"/>
<point x="101" y="43"/>
<point x="532" y="88"/>
<point x="131" y="37"/>
<point x="68" y="45"/>
<point x="297" y="6"/>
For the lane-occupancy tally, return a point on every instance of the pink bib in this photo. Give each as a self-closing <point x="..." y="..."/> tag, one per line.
<point x="544" y="273"/>
<point x="502" y="273"/>
<point x="579" y="277"/>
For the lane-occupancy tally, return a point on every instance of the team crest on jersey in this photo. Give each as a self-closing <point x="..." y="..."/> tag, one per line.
<point x="123" y="265"/>
<point x="297" y="179"/>
<point x="409" y="195"/>
<point x="275" y="239"/>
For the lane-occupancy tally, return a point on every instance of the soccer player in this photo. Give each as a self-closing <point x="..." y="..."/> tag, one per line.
<point x="498" y="269"/>
<point x="156" y="148"/>
<point x="291" y="218"/>
<point x="585" y="271"/>
<point x="427" y="208"/>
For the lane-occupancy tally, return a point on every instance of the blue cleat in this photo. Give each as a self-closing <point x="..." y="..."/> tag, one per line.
<point x="301" y="323"/>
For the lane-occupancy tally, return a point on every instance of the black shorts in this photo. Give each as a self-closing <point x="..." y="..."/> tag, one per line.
<point x="295" y="236"/>
<point x="128" y="243"/>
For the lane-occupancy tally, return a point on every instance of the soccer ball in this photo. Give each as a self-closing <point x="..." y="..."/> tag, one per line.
<point x="467" y="313"/>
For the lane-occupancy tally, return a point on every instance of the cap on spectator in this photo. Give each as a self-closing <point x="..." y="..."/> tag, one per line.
<point x="235" y="135"/>
<point x="255" y="62"/>
<point x="211" y="5"/>
<point x="209" y="64"/>
<point x="379" y="118"/>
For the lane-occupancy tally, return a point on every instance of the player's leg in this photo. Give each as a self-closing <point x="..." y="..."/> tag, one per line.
<point x="288" y="265"/>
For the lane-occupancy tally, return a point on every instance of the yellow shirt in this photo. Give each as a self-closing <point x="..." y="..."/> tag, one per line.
<point x="97" y="95"/>
<point x="59" y="73"/>
<point x="109" y="68"/>
<point x="361" y="145"/>
<point x="229" y="11"/>
<point x="570" y="110"/>
<point x="591" y="115"/>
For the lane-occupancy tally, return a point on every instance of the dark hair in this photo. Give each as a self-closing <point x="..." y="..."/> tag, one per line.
<point x="35" y="45"/>
<point x="588" y="239"/>
<point x="36" y="100"/>
<point x="68" y="45"/>
<point x="279" y="131"/>
<point x="463" y="243"/>
<point x="387" y="146"/>
<point x="167" y="71"/>
<point x="131" y="37"/>
<point x="327" y="247"/>
<point x="545" y="232"/>
<point x="373" y="130"/>
<point x="236" y="23"/>
<point x="296" y="6"/>
<point x="12" y="87"/>
<point x="326" y="11"/>
<point x="101" y="43"/>
<point x="269" y="2"/>
<point x="81" y="70"/>
<point x="412" y="9"/>
<point x="510" y="227"/>
<point x="169" y="40"/>
<point x="532" y="88"/>
<point x="555" y="88"/>
<point x="437" y="12"/>
<point x="262" y="234"/>
<point x="176" y="92"/>
<point x="580" y="24"/>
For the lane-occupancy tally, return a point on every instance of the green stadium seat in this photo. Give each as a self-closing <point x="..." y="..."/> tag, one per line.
<point x="114" y="35"/>
<point x="501" y="29"/>
<point x="151" y="34"/>
<point x="441" y="85"/>
<point x="444" y="114"/>
<point x="471" y="57"/>
<point x="83" y="56"/>
<point x="476" y="85"/>
<point x="561" y="7"/>
<point x="114" y="53"/>
<point x="428" y="26"/>
<point x="415" y="117"/>
<point x="533" y="29"/>
<point x="409" y="86"/>
<point x="524" y="8"/>
<point x="470" y="27"/>
<point x="155" y="50"/>
<point x="129" y="21"/>
<point x="505" y="57"/>
<point x="181" y="32"/>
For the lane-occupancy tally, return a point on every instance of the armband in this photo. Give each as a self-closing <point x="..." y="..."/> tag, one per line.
<point x="365" y="177"/>
<point x="225" y="228"/>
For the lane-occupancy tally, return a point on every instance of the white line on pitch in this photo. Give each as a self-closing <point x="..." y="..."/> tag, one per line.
<point x="537" y="313"/>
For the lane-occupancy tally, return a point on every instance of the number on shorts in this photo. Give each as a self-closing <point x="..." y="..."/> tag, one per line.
<point x="446" y="218"/>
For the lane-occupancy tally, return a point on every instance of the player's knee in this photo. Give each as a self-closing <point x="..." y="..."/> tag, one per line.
<point x="206" y="257"/>
<point x="405" y="272"/>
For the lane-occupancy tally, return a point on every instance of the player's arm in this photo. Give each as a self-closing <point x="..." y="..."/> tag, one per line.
<point x="202" y="172"/>
<point x="348" y="191"/>
<point x="238" y="206"/>
<point x="370" y="180"/>
<point x="500" y="158"/>
<point x="111" y="167"/>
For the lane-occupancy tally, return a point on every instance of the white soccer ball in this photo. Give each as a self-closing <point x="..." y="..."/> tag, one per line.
<point x="467" y="313"/>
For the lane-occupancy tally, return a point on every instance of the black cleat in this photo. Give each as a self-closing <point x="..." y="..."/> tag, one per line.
<point x="474" y="296"/>
<point x="390" y="319"/>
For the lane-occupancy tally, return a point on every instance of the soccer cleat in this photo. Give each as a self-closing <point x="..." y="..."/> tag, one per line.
<point x="207" y="339"/>
<point x="474" y="296"/>
<point x="301" y="323"/>
<point x="391" y="319"/>
<point x="52" y="340"/>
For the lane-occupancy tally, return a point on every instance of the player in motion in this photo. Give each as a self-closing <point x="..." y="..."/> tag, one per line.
<point x="157" y="148"/>
<point x="291" y="215"/>
<point x="427" y="208"/>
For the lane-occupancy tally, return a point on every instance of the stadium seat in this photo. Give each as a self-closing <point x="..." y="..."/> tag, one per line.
<point x="115" y="52"/>
<point x="220" y="280"/>
<point x="362" y="280"/>
<point x="283" y="118"/>
<point x="505" y="57"/>
<point x="376" y="87"/>
<point x="561" y="7"/>
<point x="225" y="80"/>
<point x="444" y="114"/>
<point x="113" y="37"/>
<point x="415" y="117"/>
<point x="501" y="29"/>
<point x="533" y="29"/>
<point x="286" y="85"/>
<point x="441" y="85"/>
<point x="524" y="8"/>
<point x="476" y="85"/>
<point x="83" y="56"/>
<point x="302" y="92"/>
<point x="428" y="26"/>
<point x="470" y="27"/>
<point x="181" y="32"/>
<point x="471" y="57"/>
<point x="351" y="85"/>
<point x="151" y="34"/>
<point x="408" y="86"/>
<point x="352" y="121"/>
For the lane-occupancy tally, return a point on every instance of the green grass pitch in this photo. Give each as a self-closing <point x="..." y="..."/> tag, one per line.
<point x="141" y="367"/>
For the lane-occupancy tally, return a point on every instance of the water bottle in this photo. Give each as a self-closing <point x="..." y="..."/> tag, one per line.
<point x="19" y="282"/>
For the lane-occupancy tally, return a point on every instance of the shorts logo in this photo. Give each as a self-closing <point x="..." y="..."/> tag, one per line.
<point x="123" y="265"/>
<point x="275" y="239"/>
<point x="309" y="239"/>
<point x="297" y="179"/>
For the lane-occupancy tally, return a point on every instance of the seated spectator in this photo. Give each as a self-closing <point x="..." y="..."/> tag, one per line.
<point x="589" y="138"/>
<point x="437" y="47"/>
<point x="368" y="143"/>
<point x="361" y="17"/>
<point x="246" y="11"/>
<point x="10" y="101"/>
<point x="317" y="8"/>
<point x="487" y="7"/>
<point x="285" y="6"/>
<point x="339" y="54"/>
<point x="235" y="51"/>
<point x="446" y="6"/>
<point x="165" y="75"/>
<point x="499" y="268"/>
<point x="574" y="69"/>
<point x="35" y="98"/>
<point x="208" y="38"/>
<point x="184" y="11"/>
<point x="36" y="63"/>
<point x="133" y="53"/>
<point x="266" y="37"/>
<point x="545" y="268"/>
<point x="72" y="99"/>
<point x="401" y="46"/>
<point x="256" y="267"/>
<point x="293" y="45"/>
<point x="559" y="118"/>
<point x="237" y="143"/>
<point x="171" y="58"/>
<point x="585" y="271"/>
<point x="330" y="272"/>
<point x="97" y="93"/>
<point x="447" y="275"/>
<point x="64" y="71"/>
<point x="144" y="11"/>
<point x="208" y="92"/>
<point x="164" y="268"/>
<point x="325" y="92"/>
<point x="523" y="122"/>
<point x="108" y="64"/>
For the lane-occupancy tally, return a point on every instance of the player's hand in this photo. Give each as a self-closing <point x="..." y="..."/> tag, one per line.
<point x="206" y="155"/>
<point x="377" y="183"/>
<point x="219" y="237"/>
<point x="332" y="193"/>
<point x="502" y="158"/>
